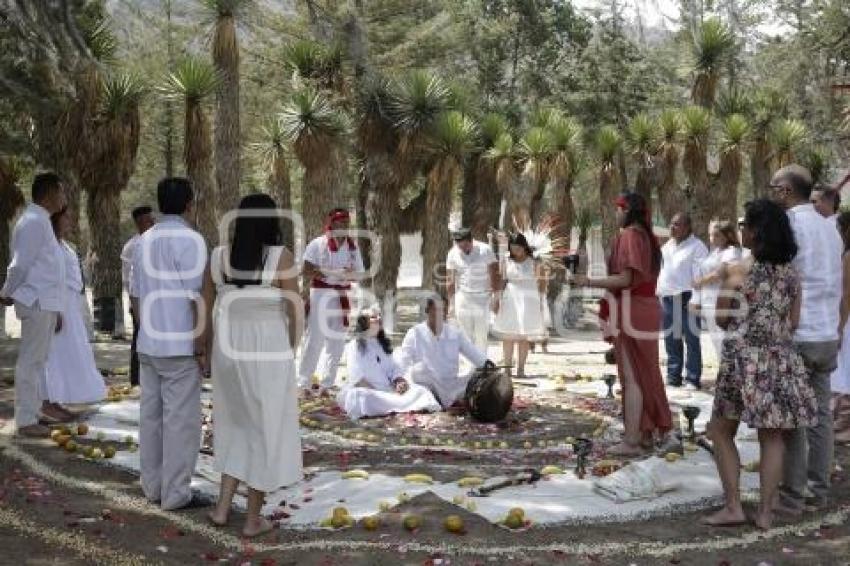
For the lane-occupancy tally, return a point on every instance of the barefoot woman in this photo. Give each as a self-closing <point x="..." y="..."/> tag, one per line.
<point x="632" y="323"/>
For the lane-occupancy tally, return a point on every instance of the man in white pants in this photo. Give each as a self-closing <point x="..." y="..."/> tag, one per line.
<point x="35" y="284"/>
<point x="165" y="282"/>
<point x="430" y="353"/>
<point x="332" y="262"/>
<point x="473" y="281"/>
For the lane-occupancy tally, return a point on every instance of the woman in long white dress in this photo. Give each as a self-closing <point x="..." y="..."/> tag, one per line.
<point x="375" y="384"/>
<point x="72" y="376"/>
<point x="841" y="375"/>
<point x="255" y="327"/>
<point x="520" y="317"/>
<point x="725" y="249"/>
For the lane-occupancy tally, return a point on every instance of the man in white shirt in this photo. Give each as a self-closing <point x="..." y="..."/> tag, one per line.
<point x="431" y="351"/>
<point x="681" y="257"/>
<point x="165" y="282"/>
<point x="808" y="452"/>
<point x="143" y="219"/>
<point x="827" y="202"/>
<point x="332" y="263"/>
<point x="472" y="273"/>
<point x="35" y="284"/>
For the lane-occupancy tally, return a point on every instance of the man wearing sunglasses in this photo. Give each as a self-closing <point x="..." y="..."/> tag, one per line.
<point x="808" y="456"/>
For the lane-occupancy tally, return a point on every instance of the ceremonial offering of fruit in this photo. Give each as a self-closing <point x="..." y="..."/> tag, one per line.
<point x="97" y="453"/>
<point x="411" y="522"/>
<point x="55" y="434"/>
<point x="109" y="452"/>
<point x="71" y="446"/>
<point x="371" y="523"/>
<point x="418" y="478"/>
<point x="63" y="439"/>
<point x="752" y="466"/>
<point x="82" y="429"/>
<point x="339" y="519"/>
<point x="516" y="519"/>
<point x="454" y="524"/>
<point x="87" y="451"/>
<point x="604" y="468"/>
<point x="355" y="475"/>
<point x="551" y="471"/>
<point x="672" y="456"/>
<point x="470" y="481"/>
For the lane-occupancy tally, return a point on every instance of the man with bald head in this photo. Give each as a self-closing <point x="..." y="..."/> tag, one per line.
<point x="808" y="455"/>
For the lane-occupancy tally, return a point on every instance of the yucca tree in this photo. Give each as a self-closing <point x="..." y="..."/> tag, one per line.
<point x="787" y="138"/>
<point x="816" y="160"/>
<point x="316" y="130"/>
<point x="586" y="216"/>
<point x="642" y="138"/>
<point x="565" y="134"/>
<point x="712" y="46"/>
<point x="481" y="196"/>
<point x="735" y="131"/>
<point x="667" y="162"/>
<point x="535" y="150"/>
<point x="11" y="201"/>
<point x="317" y="63"/>
<point x="194" y="81"/>
<point x="502" y="157"/>
<point x="228" y="140"/>
<point x="608" y="144"/>
<point x="452" y="138"/>
<point x="696" y="126"/>
<point x="768" y="106"/>
<point x="272" y="150"/>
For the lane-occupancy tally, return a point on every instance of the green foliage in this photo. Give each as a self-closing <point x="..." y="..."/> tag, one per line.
<point x="122" y="92"/>
<point x="735" y="130"/>
<point x="816" y="160"/>
<point x="492" y="127"/>
<point x="453" y="135"/>
<point x="565" y="134"/>
<point x="310" y="114"/>
<point x="713" y="44"/>
<point x="733" y="101"/>
<point x="642" y="133"/>
<point x="194" y="79"/>
<point x="314" y="61"/>
<point x="416" y="100"/>
<point x="503" y="148"/>
<point x="607" y="143"/>
<point x="670" y="124"/>
<point x="536" y="144"/>
<point x="788" y="134"/>
<point x="696" y="123"/>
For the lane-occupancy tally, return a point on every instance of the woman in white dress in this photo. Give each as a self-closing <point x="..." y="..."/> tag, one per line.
<point x="841" y="375"/>
<point x="375" y="384"/>
<point x="520" y="317"/>
<point x="725" y="249"/>
<point x="255" y="327"/>
<point x="72" y="376"/>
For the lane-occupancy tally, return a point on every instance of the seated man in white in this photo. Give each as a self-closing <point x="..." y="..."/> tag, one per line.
<point x="375" y="385"/>
<point x="430" y="353"/>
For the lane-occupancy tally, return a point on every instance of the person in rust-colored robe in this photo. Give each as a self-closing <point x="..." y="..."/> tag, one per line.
<point x="631" y="320"/>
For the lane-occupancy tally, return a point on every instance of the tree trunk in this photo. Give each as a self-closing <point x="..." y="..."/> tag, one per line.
<point x="482" y="201"/>
<point x="694" y="160"/>
<point x="669" y="194"/>
<point x="322" y="191"/>
<point x="281" y="189"/>
<point x="519" y="197"/>
<point x="609" y="186"/>
<point x="227" y="133"/>
<point x="436" y="240"/>
<point x="103" y="209"/>
<point x="726" y="190"/>
<point x="469" y="192"/>
<point x="199" y="166"/>
<point x="760" y="166"/>
<point x="384" y="216"/>
<point x="645" y="177"/>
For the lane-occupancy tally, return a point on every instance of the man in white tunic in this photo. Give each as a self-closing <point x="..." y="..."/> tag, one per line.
<point x="332" y="263"/>
<point x="35" y="284"/>
<point x="430" y="353"/>
<point x="165" y="281"/>
<point x="473" y="283"/>
<point x="143" y="218"/>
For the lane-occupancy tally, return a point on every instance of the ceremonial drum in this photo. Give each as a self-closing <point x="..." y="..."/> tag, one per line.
<point x="489" y="395"/>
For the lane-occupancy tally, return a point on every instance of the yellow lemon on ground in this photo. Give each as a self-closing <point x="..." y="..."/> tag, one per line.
<point x="371" y="523"/>
<point x="340" y="522"/>
<point x="514" y="522"/>
<point x="63" y="439"/>
<point x="411" y="522"/>
<point x="97" y="453"/>
<point x="71" y="446"/>
<point x="109" y="452"/>
<point x="55" y="434"/>
<point x="752" y="466"/>
<point x="82" y="429"/>
<point x="672" y="456"/>
<point x="454" y="524"/>
<point x="339" y="513"/>
<point x="517" y="512"/>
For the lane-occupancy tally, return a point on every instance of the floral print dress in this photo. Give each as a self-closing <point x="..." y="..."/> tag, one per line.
<point x="762" y="380"/>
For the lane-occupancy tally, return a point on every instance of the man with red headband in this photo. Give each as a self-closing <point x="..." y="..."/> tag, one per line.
<point x="332" y="262"/>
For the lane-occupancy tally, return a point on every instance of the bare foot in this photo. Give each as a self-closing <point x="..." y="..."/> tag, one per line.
<point x="217" y="518"/>
<point x="763" y="519"/>
<point x="782" y="509"/>
<point x="625" y="449"/>
<point x="258" y="527"/>
<point x="726" y="517"/>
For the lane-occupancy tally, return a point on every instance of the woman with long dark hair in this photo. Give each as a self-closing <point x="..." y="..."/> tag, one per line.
<point x="520" y="318"/>
<point x="375" y="384"/>
<point x="762" y="380"/>
<point x="255" y="325"/>
<point x="632" y="316"/>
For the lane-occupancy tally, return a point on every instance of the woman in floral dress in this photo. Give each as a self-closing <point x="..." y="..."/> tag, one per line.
<point x="761" y="380"/>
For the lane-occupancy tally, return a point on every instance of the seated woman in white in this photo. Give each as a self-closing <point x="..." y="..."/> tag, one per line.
<point x="375" y="385"/>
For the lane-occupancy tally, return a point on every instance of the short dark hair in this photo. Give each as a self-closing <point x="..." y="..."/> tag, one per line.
<point x="773" y="238"/>
<point x="44" y="184"/>
<point x="173" y="195"/>
<point x="140" y="211"/>
<point x="830" y="194"/>
<point x="798" y="178"/>
<point x="432" y="299"/>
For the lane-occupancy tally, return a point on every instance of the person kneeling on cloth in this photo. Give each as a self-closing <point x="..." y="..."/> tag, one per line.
<point x="332" y="262"/>
<point x="430" y="353"/>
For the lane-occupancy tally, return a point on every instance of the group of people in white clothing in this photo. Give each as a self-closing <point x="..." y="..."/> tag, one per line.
<point x="55" y="364"/>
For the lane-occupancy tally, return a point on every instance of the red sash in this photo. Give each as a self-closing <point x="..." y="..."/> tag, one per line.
<point x="344" y="302"/>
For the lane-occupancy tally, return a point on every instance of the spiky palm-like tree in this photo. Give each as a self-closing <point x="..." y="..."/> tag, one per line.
<point x="586" y="216"/>
<point x="642" y="138"/>
<point x="502" y="157"/>
<point x="272" y="150"/>
<point x="735" y="131"/>
<point x="525" y="204"/>
<point x="696" y="126"/>
<point x="318" y="63"/>
<point x="11" y="201"/>
<point x="768" y="106"/>
<point x="565" y="134"/>
<point x="194" y="81"/>
<point x="712" y="45"/>
<point x="608" y="144"/>
<point x="452" y="138"/>
<point x="481" y="196"/>
<point x="787" y="137"/>
<point x="816" y="160"/>
<point x="667" y="161"/>
<point x="316" y="129"/>
<point x="228" y="140"/>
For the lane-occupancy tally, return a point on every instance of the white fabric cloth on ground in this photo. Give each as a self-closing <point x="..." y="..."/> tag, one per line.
<point x="646" y="479"/>
<point x="521" y="312"/>
<point x="255" y="390"/>
<point x="378" y="369"/>
<point x="433" y="361"/>
<point x="72" y="375"/>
